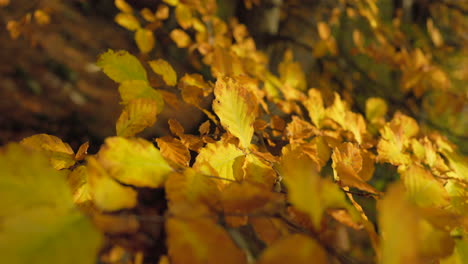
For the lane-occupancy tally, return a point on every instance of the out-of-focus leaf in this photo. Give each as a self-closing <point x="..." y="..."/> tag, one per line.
<point x="60" y="154"/>
<point x="127" y="21"/>
<point x="166" y="71"/>
<point x="79" y="184"/>
<point x="134" y="161"/>
<point x="291" y="73"/>
<point x="120" y="66"/>
<point x="184" y="15"/>
<point x="144" y="39"/>
<point x="107" y="193"/>
<point x="236" y="108"/>
<point x="314" y="105"/>
<point x="202" y="242"/>
<point x="376" y="109"/>
<point x="137" y="115"/>
<point x="181" y="38"/>
<point x="295" y="248"/>
<point x="39" y="221"/>
<point x="123" y="6"/>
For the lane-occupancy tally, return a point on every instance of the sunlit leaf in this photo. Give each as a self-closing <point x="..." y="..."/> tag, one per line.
<point x="134" y="161"/>
<point x="137" y="115"/>
<point x="123" y="6"/>
<point x="181" y="38"/>
<point x="144" y="39"/>
<point x="120" y="66"/>
<point x="79" y="184"/>
<point x="291" y="73"/>
<point x="39" y="221"/>
<point x="217" y="159"/>
<point x="107" y="193"/>
<point x="60" y="154"/>
<point x="314" y="105"/>
<point x="166" y="71"/>
<point x="296" y="248"/>
<point x="135" y="89"/>
<point x="236" y="108"/>
<point x="184" y="16"/>
<point x="376" y="109"/>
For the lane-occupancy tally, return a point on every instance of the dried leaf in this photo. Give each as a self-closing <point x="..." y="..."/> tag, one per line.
<point x="60" y="154"/>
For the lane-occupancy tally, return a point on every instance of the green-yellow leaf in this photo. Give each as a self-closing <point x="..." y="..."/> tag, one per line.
<point x="144" y="39"/>
<point x="236" y="108"/>
<point x="134" y="161"/>
<point x="166" y="71"/>
<point x="39" y="223"/>
<point x="60" y="154"/>
<point x="135" y="89"/>
<point x="121" y="66"/>
<point x="137" y="115"/>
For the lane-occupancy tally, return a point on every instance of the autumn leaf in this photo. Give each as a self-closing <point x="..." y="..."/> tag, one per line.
<point x="163" y="68"/>
<point x="123" y="6"/>
<point x="78" y="181"/>
<point x="135" y="89"/>
<point x="181" y="38"/>
<point x="137" y="115"/>
<point x="307" y="191"/>
<point x="203" y="242"/>
<point x="106" y="192"/>
<point x="236" y="108"/>
<point x="184" y="16"/>
<point x="174" y="151"/>
<point x="127" y="21"/>
<point x="314" y="105"/>
<point x="120" y="66"/>
<point x="295" y="248"/>
<point x="39" y="221"/>
<point x="60" y="154"/>
<point x="133" y="161"/>
<point x="217" y="159"/>
<point x="144" y="39"/>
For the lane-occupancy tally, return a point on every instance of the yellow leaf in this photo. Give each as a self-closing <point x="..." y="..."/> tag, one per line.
<point x="314" y="105"/>
<point x="307" y="191"/>
<point x="144" y="39"/>
<point x="78" y="181"/>
<point x="398" y="224"/>
<point x="299" y="130"/>
<point x="376" y="109"/>
<point x="137" y="115"/>
<point x="181" y="38"/>
<point x="60" y="154"/>
<point x="134" y="89"/>
<point x="166" y="71"/>
<point x="236" y="108"/>
<point x="39" y="223"/>
<point x="323" y="30"/>
<point x="422" y="188"/>
<point x="41" y="17"/>
<point x="245" y="198"/>
<point x="202" y="242"/>
<point x="434" y="33"/>
<point x="148" y="15"/>
<point x="348" y="167"/>
<point x="259" y="170"/>
<point x="162" y="12"/>
<point x="217" y="159"/>
<point x="291" y="73"/>
<point x="123" y="6"/>
<point x="171" y="2"/>
<point x="184" y="15"/>
<point x="127" y="21"/>
<point x="134" y="161"/>
<point x="120" y="66"/>
<point x="395" y="139"/>
<point x="174" y="151"/>
<point x="295" y="248"/>
<point x="108" y="194"/>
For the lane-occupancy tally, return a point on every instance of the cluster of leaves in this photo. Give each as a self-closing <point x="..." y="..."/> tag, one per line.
<point x="275" y="175"/>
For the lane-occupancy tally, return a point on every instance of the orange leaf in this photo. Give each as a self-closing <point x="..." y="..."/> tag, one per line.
<point x="174" y="151"/>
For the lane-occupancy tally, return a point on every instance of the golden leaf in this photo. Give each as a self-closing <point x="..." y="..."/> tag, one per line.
<point x="123" y="6"/>
<point x="60" y="154"/>
<point x="295" y="248"/>
<point x="144" y="39"/>
<point x="236" y="108"/>
<point x="323" y="30"/>
<point x="79" y="184"/>
<point x="134" y="161"/>
<point x="184" y="15"/>
<point x="174" y="151"/>
<point x="108" y="194"/>
<point x="134" y="89"/>
<point x="314" y="105"/>
<point x="245" y="198"/>
<point x="163" y="68"/>
<point x="376" y="109"/>
<point x="162" y="12"/>
<point x="181" y="38"/>
<point x="202" y="242"/>
<point x="137" y="115"/>
<point x="127" y="21"/>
